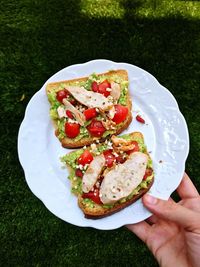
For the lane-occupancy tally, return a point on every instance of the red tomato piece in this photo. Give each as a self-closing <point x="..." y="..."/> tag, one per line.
<point x="72" y="129"/>
<point x="120" y="159"/>
<point x="103" y="88"/>
<point x="60" y="95"/>
<point x="135" y="149"/>
<point x="96" y="128"/>
<point x="90" y="113"/>
<point x="72" y="101"/>
<point x="95" y="86"/>
<point x="140" y="119"/>
<point x="69" y="114"/>
<point x="109" y="157"/>
<point x="79" y="173"/>
<point x="121" y="113"/>
<point x="93" y="195"/>
<point x="148" y="172"/>
<point x="85" y="158"/>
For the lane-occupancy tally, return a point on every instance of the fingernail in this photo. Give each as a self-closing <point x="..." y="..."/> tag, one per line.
<point x="150" y="200"/>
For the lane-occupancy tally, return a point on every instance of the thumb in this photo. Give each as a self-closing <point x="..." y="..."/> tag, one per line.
<point x="169" y="210"/>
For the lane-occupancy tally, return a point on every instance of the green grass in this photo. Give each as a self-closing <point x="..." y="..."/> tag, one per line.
<point x="38" y="38"/>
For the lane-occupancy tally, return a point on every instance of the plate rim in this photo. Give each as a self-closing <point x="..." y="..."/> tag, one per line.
<point x="41" y="90"/>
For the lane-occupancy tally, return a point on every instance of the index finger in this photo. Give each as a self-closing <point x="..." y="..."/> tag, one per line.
<point x="186" y="188"/>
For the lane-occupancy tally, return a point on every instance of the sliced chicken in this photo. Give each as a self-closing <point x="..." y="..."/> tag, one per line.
<point x="89" y="98"/>
<point x="61" y="112"/>
<point x="118" y="141"/>
<point x="115" y="91"/>
<point x="111" y="113"/>
<point x="109" y="125"/>
<point x="124" y="178"/>
<point x="77" y="114"/>
<point x="121" y="144"/>
<point x="92" y="173"/>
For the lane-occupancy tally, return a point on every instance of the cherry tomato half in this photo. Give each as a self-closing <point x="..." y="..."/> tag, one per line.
<point x="72" y="129"/>
<point x="90" y="113"/>
<point x="148" y="172"/>
<point x="69" y="114"/>
<point x="95" y="86"/>
<point x="140" y="119"/>
<point x="102" y="88"/>
<point x="109" y="157"/>
<point x="61" y="95"/>
<point x="96" y="128"/>
<point x="120" y="159"/>
<point x="79" y="173"/>
<point x="85" y="158"/>
<point x="121" y="113"/>
<point x="93" y="195"/>
<point x="135" y="149"/>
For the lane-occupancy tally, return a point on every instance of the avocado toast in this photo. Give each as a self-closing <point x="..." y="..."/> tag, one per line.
<point x="91" y="108"/>
<point x="107" y="177"/>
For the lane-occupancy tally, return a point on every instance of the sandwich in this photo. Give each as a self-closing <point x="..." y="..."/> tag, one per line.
<point x="108" y="177"/>
<point x="91" y="108"/>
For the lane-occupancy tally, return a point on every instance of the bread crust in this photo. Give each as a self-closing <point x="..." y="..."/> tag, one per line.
<point x="70" y="143"/>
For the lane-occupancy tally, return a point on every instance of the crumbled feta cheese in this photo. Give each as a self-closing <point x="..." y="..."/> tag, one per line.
<point x="80" y="166"/>
<point x="115" y="154"/>
<point x="110" y="98"/>
<point x="85" y="166"/>
<point x="93" y="146"/>
<point x="72" y="121"/>
<point x="108" y="89"/>
<point x="109" y="144"/>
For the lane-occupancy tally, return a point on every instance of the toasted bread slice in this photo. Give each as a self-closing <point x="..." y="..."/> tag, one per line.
<point x="85" y="137"/>
<point x="94" y="210"/>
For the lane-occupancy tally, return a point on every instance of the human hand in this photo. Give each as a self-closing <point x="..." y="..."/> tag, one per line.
<point x="172" y="233"/>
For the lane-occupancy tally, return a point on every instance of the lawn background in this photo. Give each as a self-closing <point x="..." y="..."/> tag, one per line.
<point x="40" y="37"/>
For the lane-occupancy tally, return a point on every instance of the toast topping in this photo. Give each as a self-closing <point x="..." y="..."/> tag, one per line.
<point x="61" y="112"/>
<point x="120" y="144"/>
<point x="115" y="91"/>
<point x="89" y="98"/>
<point x="124" y="178"/>
<point x="78" y="115"/>
<point x="92" y="173"/>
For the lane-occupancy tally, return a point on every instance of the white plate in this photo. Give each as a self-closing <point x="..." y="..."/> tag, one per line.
<point x="166" y="136"/>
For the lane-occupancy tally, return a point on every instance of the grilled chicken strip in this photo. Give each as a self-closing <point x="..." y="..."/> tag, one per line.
<point x="89" y="98"/>
<point x="124" y="178"/>
<point x="92" y="173"/>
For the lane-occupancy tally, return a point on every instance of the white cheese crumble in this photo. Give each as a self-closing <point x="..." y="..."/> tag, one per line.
<point x="72" y="121"/>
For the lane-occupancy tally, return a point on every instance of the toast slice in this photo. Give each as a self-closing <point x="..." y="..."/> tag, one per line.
<point x="102" y="94"/>
<point x="117" y="152"/>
